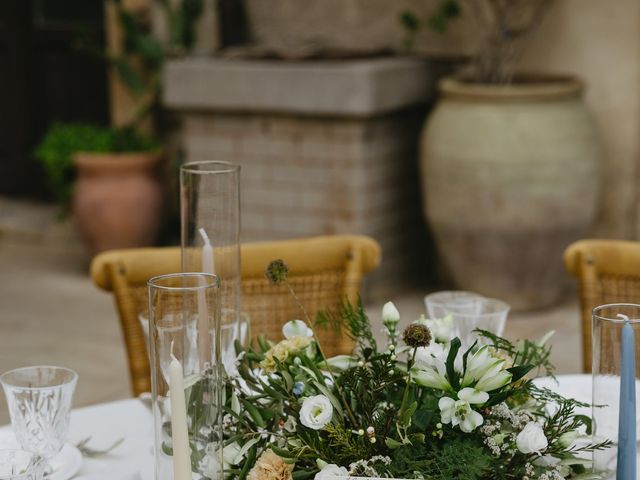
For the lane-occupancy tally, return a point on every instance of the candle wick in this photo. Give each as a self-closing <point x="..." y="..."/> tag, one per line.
<point x="204" y="236"/>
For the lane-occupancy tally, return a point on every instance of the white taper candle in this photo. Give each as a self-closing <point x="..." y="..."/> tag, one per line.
<point x="179" y="430"/>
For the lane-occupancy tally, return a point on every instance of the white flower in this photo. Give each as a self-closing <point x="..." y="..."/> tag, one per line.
<point x="459" y="412"/>
<point x="532" y="439"/>
<point x="390" y="313"/>
<point x="232" y="454"/>
<point x="432" y="375"/>
<point x="331" y="470"/>
<point x="296" y="328"/>
<point x="291" y="424"/>
<point x="442" y="329"/>
<point x="493" y="380"/>
<point x="486" y="371"/>
<point x="425" y="356"/>
<point x="316" y="412"/>
<point x="341" y="362"/>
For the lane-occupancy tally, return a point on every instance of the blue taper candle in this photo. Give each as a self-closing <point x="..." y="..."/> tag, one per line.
<point x="626" y="469"/>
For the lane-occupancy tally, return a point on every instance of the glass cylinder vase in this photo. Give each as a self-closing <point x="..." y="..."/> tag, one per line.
<point x="210" y="234"/>
<point x="616" y="351"/>
<point x="184" y="314"/>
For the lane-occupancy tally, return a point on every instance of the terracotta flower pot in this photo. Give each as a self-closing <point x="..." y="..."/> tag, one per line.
<point x="117" y="200"/>
<point x="511" y="176"/>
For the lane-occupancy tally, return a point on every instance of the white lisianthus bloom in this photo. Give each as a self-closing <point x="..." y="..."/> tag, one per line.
<point x="432" y="376"/>
<point x="532" y="439"/>
<point x="296" y="328"/>
<point x="390" y="313"/>
<point x="316" y="412"/>
<point x="331" y="470"/>
<point x="459" y="412"/>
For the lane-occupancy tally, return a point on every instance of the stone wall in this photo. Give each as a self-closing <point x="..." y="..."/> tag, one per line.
<point x="308" y="173"/>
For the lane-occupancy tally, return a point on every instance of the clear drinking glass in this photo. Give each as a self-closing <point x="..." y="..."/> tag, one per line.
<point x="21" y="465"/>
<point x="469" y="312"/>
<point x="210" y="233"/>
<point x="440" y="304"/>
<point x="39" y="400"/>
<point x="184" y="328"/>
<point x="608" y="377"/>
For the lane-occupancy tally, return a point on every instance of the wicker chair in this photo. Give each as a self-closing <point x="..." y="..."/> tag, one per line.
<point x="608" y="271"/>
<point x="322" y="270"/>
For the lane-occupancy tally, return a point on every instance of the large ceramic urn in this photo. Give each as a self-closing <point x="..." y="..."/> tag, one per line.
<point x="510" y="177"/>
<point x="117" y="199"/>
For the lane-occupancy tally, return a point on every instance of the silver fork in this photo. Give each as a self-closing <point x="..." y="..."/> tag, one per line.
<point x="93" y="452"/>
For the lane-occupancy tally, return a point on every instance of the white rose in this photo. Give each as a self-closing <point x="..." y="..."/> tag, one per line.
<point x="296" y="328"/>
<point x="316" y="412"/>
<point x="331" y="470"/>
<point x="531" y="439"/>
<point x="390" y="313"/>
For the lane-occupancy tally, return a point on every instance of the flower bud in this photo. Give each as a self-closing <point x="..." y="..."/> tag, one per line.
<point x="390" y="313"/>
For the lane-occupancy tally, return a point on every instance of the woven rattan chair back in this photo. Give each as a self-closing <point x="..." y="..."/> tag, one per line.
<point x="608" y="271"/>
<point x="323" y="271"/>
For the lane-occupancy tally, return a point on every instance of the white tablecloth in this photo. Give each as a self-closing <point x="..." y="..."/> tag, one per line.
<point x="131" y="419"/>
<point x="105" y="423"/>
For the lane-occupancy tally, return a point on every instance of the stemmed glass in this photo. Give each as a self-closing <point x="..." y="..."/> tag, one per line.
<point x="39" y="400"/>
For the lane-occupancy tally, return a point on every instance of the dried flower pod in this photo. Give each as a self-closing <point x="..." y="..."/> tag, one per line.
<point x="277" y="271"/>
<point x="417" y="335"/>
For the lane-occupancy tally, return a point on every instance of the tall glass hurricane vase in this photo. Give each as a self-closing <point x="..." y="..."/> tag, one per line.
<point x="184" y="313"/>
<point x="210" y="206"/>
<point x="616" y="390"/>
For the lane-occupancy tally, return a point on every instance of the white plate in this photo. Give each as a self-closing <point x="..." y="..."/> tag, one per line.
<point x="66" y="464"/>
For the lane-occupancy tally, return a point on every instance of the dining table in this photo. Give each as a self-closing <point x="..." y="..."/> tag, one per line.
<point x="131" y="420"/>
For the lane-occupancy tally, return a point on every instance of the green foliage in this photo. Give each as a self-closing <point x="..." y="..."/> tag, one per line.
<point x="447" y="11"/>
<point x="63" y="140"/>
<point x="462" y="459"/>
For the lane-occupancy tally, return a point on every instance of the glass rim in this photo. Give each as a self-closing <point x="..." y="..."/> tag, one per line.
<point x="73" y="379"/>
<point x="504" y="307"/>
<point x="595" y="313"/>
<point x="433" y="296"/>
<point x="214" y="281"/>
<point x="192" y="167"/>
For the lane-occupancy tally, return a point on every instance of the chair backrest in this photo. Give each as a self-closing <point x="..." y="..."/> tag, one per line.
<point x="608" y="271"/>
<point x="323" y="271"/>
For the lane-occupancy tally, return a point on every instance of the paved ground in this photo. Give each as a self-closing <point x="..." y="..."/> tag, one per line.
<point x="50" y="313"/>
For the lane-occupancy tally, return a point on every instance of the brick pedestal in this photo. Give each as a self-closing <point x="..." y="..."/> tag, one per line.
<point x="345" y="165"/>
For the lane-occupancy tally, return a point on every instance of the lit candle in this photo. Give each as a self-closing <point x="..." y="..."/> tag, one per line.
<point x="208" y="264"/>
<point x="627" y="467"/>
<point x="179" y="430"/>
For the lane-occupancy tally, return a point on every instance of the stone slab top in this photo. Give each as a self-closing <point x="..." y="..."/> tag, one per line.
<point x="366" y="87"/>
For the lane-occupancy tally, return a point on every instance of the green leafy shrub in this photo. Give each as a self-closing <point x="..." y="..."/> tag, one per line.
<point x="63" y="140"/>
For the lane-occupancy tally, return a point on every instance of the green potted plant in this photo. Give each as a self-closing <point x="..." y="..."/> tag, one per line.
<point x="108" y="176"/>
<point x="510" y="161"/>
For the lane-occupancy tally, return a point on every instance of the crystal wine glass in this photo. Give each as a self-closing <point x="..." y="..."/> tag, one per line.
<point x="39" y="400"/>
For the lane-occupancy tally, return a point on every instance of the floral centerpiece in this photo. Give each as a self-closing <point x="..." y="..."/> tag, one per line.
<point x="419" y="406"/>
